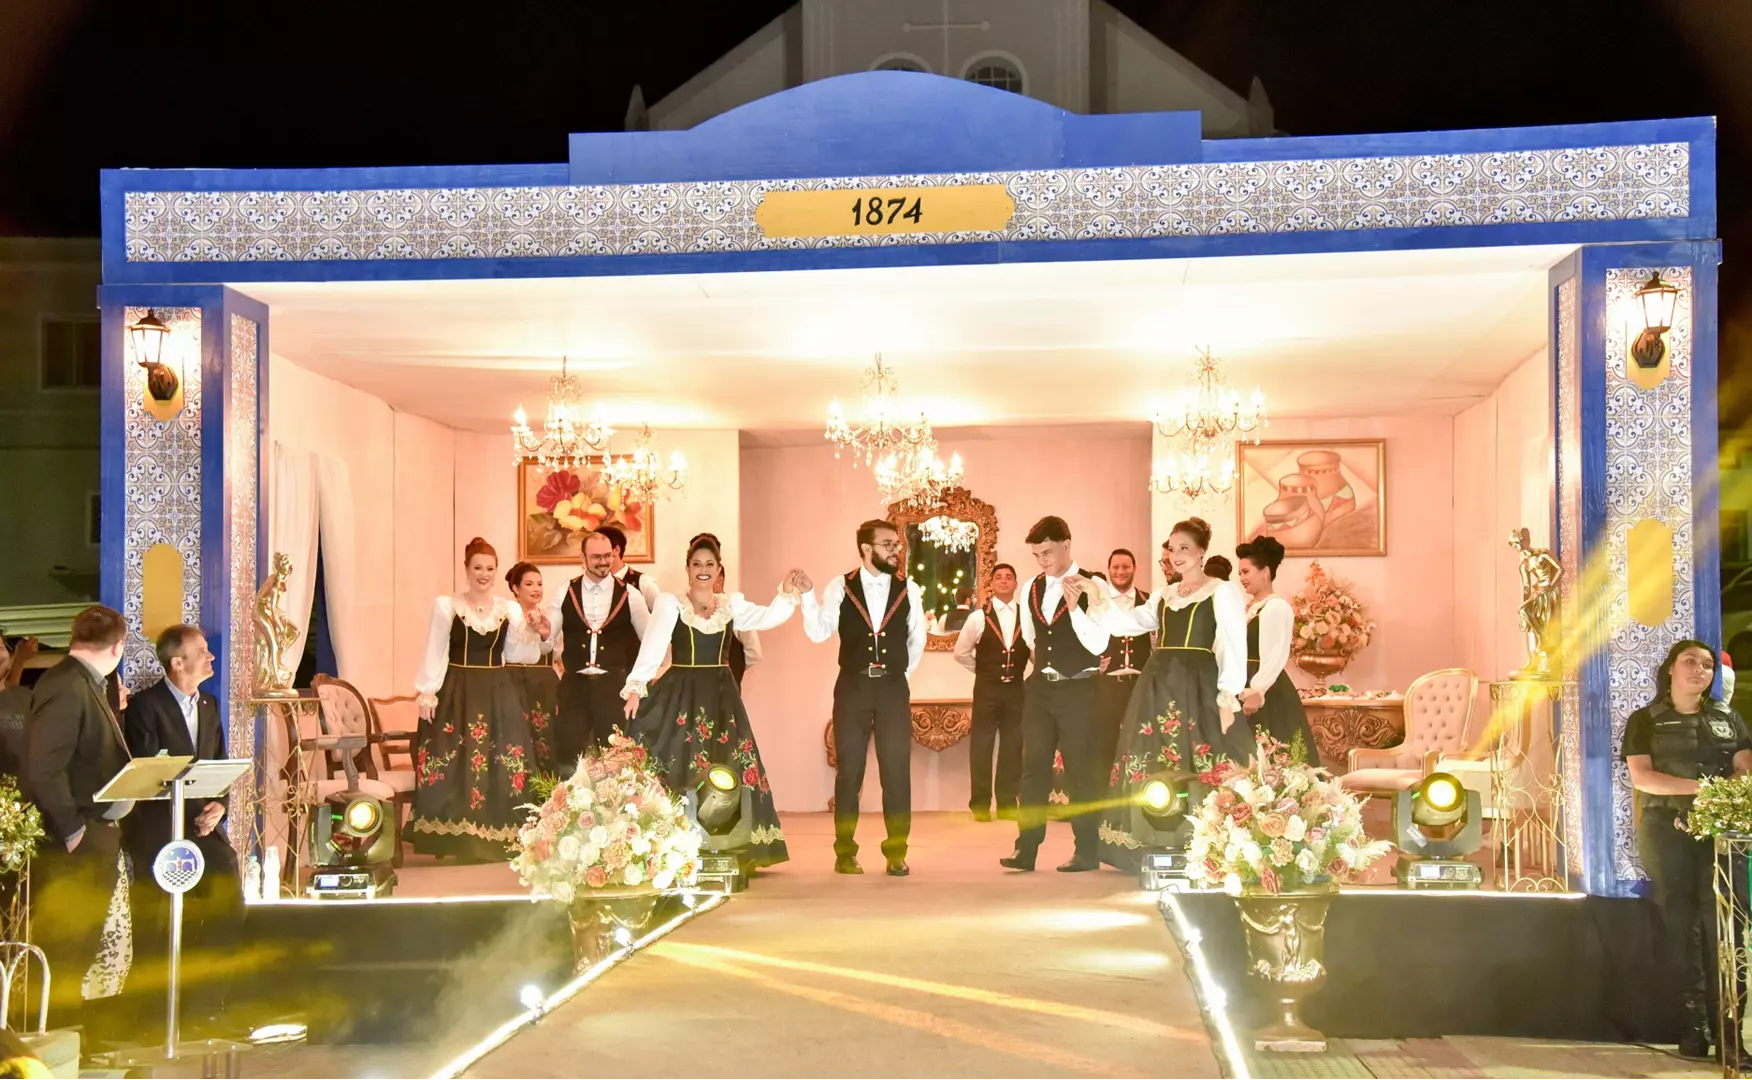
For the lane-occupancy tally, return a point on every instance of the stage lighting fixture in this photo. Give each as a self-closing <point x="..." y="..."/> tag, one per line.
<point x="723" y="808"/>
<point x="352" y="845"/>
<point x="531" y="997"/>
<point x="1437" y="823"/>
<point x="1158" y="822"/>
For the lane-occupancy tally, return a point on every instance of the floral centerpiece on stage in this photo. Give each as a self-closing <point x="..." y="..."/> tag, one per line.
<point x="1331" y="625"/>
<point x="21" y="827"/>
<point x="1723" y="807"/>
<point x="1277" y="826"/>
<point x="610" y="827"/>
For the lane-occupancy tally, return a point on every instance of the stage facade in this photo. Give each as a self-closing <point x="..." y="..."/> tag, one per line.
<point x="185" y="500"/>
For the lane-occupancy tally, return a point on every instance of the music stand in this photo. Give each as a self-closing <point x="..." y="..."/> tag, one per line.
<point x="178" y="865"/>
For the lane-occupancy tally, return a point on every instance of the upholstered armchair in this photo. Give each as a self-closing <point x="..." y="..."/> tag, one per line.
<point x="1438" y="712"/>
<point x="346" y="712"/>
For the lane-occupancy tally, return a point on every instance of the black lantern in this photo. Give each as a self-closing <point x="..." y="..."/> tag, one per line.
<point x="148" y="336"/>
<point x="1657" y="300"/>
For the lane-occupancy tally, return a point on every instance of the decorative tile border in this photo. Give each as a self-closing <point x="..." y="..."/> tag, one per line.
<point x="1648" y="475"/>
<point x="1569" y="533"/>
<point x="1601" y="183"/>
<point x="161" y="463"/>
<point x="241" y="433"/>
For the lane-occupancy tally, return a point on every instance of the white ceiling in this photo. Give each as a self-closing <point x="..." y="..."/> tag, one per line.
<point x="1322" y="335"/>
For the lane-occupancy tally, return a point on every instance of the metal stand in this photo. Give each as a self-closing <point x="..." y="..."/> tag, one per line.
<point x="1732" y="923"/>
<point x="1526" y="796"/>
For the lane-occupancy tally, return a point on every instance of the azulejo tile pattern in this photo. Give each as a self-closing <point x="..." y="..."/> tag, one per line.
<point x="1205" y="199"/>
<point x="1569" y="542"/>
<point x="1648" y="475"/>
<point x="241" y="432"/>
<point x="161" y="463"/>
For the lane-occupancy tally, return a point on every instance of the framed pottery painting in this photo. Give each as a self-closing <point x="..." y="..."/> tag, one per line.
<point x="555" y="510"/>
<point x="1316" y="496"/>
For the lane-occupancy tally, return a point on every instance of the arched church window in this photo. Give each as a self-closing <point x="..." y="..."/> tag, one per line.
<point x="901" y="62"/>
<point x="995" y="71"/>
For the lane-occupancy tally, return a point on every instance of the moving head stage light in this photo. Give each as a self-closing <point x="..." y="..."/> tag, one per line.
<point x="723" y="807"/>
<point x="352" y="847"/>
<point x="1158" y="822"/>
<point x="1437" y="823"/>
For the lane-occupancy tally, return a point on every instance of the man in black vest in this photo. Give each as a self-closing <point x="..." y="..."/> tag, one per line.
<point x="176" y="716"/>
<point x="1059" y="709"/>
<point x="73" y="747"/>
<point x="633" y="579"/>
<point x="880" y="620"/>
<point x="990" y="645"/>
<point x="601" y="622"/>
<point x="1120" y="666"/>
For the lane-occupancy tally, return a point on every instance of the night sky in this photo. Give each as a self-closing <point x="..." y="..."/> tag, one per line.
<point x="87" y="85"/>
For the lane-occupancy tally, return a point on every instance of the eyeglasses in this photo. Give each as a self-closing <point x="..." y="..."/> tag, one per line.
<point x="887" y="545"/>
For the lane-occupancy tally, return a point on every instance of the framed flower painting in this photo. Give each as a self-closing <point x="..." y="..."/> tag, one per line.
<point x="556" y="510"/>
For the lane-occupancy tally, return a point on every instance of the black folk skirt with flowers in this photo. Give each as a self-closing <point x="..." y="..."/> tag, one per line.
<point x="472" y="758"/>
<point x="538" y="687"/>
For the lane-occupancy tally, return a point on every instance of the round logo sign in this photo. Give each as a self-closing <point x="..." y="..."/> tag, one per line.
<point x="178" y="866"/>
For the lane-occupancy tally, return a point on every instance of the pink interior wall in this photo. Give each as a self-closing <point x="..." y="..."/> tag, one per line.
<point x="801" y="507"/>
<point x="424" y="509"/>
<point x="1503" y="480"/>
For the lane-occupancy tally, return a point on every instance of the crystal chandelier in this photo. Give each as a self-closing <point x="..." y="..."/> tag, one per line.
<point x="1193" y="475"/>
<point x="884" y="433"/>
<point x="640" y="475"/>
<point x="950" y="534"/>
<point x="566" y="440"/>
<point x="1209" y="410"/>
<point x="918" y="480"/>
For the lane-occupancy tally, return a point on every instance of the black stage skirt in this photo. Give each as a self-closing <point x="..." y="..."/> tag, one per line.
<point x="1172" y="723"/>
<point x="694" y="718"/>
<point x="1282" y="717"/>
<point x="471" y="766"/>
<point x="539" y="687"/>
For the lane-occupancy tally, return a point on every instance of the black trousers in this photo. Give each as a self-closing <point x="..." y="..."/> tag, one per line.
<point x="861" y="707"/>
<point x="1682" y="871"/>
<point x="1112" y="695"/>
<point x="212" y="927"/>
<point x="997" y="725"/>
<point x="1058" y="716"/>
<point x="70" y="898"/>
<point x="590" y="709"/>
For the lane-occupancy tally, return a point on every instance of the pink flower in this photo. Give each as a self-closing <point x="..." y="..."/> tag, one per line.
<point x="596" y="877"/>
<point x="560" y="484"/>
<point x="1269" y="880"/>
<point x="616" y="854"/>
<point x="1272" y="825"/>
<point x="562" y="795"/>
<point x="1336" y="868"/>
<point x="587" y="820"/>
<point x="1241" y="813"/>
<point x="1225" y="800"/>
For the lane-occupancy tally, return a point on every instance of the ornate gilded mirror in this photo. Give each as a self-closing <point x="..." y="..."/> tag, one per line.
<point x="950" y="551"/>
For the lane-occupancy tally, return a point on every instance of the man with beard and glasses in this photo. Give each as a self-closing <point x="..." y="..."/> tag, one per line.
<point x="880" y="619"/>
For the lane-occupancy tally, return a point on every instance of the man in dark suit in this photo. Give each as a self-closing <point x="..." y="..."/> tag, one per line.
<point x="73" y="747"/>
<point x="175" y="716"/>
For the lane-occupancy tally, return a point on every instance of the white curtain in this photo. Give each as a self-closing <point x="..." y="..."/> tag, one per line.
<point x="293" y="530"/>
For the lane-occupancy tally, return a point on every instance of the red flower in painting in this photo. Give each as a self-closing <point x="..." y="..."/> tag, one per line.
<point x="560" y="484"/>
<point x="632" y="517"/>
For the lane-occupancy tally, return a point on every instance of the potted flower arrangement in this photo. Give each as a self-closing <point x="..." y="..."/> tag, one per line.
<point x="607" y="842"/>
<point x="1331" y="625"/>
<point x="21" y="829"/>
<point x="1277" y="835"/>
<point x="1723" y="807"/>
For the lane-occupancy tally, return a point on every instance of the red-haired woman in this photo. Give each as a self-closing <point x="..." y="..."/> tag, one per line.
<point x="473" y="753"/>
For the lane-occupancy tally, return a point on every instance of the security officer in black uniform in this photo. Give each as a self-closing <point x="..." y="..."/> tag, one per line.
<point x="1683" y="736"/>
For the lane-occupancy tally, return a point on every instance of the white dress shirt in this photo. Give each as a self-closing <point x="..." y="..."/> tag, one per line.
<point x="647" y="586"/>
<point x="1090" y="634"/>
<point x="596" y="599"/>
<point x="524" y="646"/>
<point x="972" y="630"/>
<point x="671" y="609"/>
<point x="1231" y="611"/>
<point x="505" y="617"/>
<point x="1277" y="624"/>
<point x="191" y="711"/>
<point x="821" y="620"/>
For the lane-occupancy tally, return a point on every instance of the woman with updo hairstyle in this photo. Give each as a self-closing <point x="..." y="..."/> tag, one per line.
<point x="1182" y="716"/>
<point x="473" y="751"/>
<point x="1270" y="701"/>
<point x="692" y="717"/>
<point x="1218" y="567"/>
<point x="530" y="659"/>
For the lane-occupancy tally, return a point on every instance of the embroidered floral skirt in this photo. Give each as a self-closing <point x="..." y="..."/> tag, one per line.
<point x="694" y="718"/>
<point x="1172" y="723"/>
<point x="1283" y="718"/>
<point x="539" y="687"/>
<point x="471" y="766"/>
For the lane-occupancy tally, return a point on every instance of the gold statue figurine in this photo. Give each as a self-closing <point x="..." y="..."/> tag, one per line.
<point x="1540" y="578"/>
<point x="274" y="634"/>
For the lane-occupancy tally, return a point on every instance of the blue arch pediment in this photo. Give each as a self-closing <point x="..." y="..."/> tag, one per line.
<point x="884" y="123"/>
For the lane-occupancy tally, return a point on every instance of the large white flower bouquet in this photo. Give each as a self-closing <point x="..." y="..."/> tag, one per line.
<point x="1277" y="826"/>
<point x="610" y="827"/>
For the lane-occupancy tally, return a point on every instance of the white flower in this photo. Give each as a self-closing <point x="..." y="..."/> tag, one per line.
<point x="569" y="847"/>
<point x="1232" y="883"/>
<point x="1306" y="863"/>
<point x="580" y="796"/>
<point x="1295" y="829"/>
<point x="562" y="891"/>
<point x="588" y="854"/>
<point x="641" y="846"/>
<point x="635" y="874"/>
<point x="664" y="879"/>
<point x="599" y="836"/>
<point x="1252" y="854"/>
